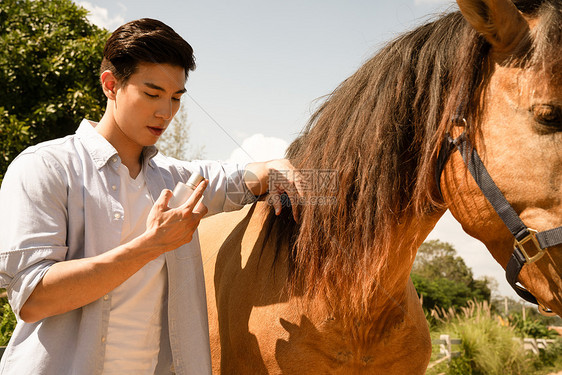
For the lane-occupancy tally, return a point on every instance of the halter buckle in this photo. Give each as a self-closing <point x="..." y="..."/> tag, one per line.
<point x="533" y="238"/>
<point x="545" y="311"/>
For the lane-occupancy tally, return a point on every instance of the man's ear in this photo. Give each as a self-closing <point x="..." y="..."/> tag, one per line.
<point x="109" y="84"/>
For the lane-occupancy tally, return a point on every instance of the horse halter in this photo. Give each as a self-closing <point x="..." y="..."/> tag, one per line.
<point x="525" y="238"/>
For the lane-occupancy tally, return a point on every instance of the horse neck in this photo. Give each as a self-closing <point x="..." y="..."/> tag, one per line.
<point x="407" y="238"/>
<point x="379" y="293"/>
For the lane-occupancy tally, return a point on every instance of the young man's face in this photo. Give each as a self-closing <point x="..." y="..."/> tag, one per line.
<point x="147" y="102"/>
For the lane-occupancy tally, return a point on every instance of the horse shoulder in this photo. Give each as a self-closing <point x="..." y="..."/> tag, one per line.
<point x="228" y="241"/>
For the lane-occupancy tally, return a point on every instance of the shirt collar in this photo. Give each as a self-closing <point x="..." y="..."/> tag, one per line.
<point x="100" y="149"/>
<point x="148" y="152"/>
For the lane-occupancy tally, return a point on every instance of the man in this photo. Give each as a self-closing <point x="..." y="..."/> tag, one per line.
<point x="102" y="275"/>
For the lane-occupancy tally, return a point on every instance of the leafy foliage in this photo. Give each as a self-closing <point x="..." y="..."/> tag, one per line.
<point x="460" y="366"/>
<point x="7" y="321"/>
<point x="438" y="259"/>
<point x="550" y="357"/>
<point x="49" y="65"/>
<point x="14" y="136"/>
<point x="443" y="279"/>
<point x="530" y="327"/>
<point x="49" y="68"/>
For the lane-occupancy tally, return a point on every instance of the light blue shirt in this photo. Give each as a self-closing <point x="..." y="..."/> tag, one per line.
<point x="59" y="201"/>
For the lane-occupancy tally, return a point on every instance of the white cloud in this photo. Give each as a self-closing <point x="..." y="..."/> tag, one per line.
<point x="100" y="16"/>
<point x="259" y="148"/>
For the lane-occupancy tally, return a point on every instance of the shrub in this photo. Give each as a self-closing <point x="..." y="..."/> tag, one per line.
<point x="487" y="347"/>
<point x="530" y="327"/>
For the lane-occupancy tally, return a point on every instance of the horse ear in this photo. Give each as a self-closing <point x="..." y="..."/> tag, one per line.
<point x="498" y="21"/>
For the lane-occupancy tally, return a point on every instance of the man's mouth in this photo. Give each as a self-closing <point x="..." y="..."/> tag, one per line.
<point x="156" y="131"/>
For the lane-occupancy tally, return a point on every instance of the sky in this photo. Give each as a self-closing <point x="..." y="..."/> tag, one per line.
<point x="263" y="67"/>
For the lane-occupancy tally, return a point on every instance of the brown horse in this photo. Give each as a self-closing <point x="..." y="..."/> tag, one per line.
<point x="331" y="294"/>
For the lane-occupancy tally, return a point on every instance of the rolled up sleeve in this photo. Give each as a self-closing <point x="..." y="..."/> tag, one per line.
<point x="33" y="224"/>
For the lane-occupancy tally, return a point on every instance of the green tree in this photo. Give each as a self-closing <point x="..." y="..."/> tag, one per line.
<point x="443" y="279"/>
<point x="436" y="259"/>
<point x="49" y="69"/>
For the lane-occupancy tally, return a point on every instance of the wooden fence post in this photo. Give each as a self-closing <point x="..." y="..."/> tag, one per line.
<point x="446" y="349"/>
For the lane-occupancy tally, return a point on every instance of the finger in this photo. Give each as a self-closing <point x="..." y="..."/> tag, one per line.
<point x="200" y="209"/>
<point x="277" y="204"/>
<point x="163" y="199"/>
<point x="196" y="216"/>
<point x="293" y="176"/>
<point x="288" y="185"/>
<point x="196" y="196"/>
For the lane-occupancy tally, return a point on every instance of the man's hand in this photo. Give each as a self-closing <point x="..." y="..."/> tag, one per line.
<point x="276" y="177"/>
<point x="172" y="227"/>
<point x="71" y="284"/>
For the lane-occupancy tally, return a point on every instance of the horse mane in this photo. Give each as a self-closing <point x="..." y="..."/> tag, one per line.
<point x="380" y="131"/>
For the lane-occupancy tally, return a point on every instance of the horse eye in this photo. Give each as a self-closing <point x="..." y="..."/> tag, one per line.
<point x="548" y="115"/>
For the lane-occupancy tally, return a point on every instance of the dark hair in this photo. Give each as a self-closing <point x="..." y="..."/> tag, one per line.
<point x="145" y="40"/>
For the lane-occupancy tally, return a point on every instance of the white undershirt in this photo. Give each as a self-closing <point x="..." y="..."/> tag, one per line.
<point x="135" y="320"/>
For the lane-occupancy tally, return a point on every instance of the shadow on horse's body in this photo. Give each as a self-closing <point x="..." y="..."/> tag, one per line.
<point x="275" y="333"/>
<point x="332" y="294"/>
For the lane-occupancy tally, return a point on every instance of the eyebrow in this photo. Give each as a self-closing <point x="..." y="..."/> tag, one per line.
<point x="156" y="87"/>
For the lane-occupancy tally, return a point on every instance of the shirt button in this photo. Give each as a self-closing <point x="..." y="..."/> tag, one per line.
<point x="113" y="187"/>
<point x="117" y="215"/>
